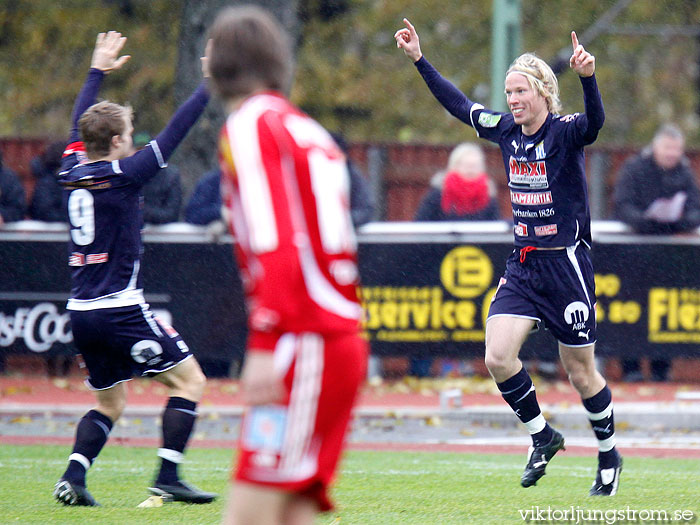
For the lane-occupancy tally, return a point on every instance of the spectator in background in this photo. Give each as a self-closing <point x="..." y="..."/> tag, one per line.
<point x="162" y="195"/>
<point x="47" y="202"/>
<point x="12" y="202"/>
<point x="361" y="201"/>
<point x="465" y="192"/>
<point x="656" y="193"/>
<point x="462" y="192"/>
<point x="204" y="206"/>
<point x="655" y="190"/>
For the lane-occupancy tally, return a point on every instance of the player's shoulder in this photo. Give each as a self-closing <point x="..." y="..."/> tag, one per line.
<point x="88" y="173"/>
<point x="488" y="118"/>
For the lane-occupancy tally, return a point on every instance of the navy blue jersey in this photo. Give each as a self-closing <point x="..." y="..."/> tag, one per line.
<point x="105" y="210"/>
<point x="546" y="171"/>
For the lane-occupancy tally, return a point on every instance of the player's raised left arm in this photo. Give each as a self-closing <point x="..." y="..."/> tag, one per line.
<point x="145" y="163"/>
<point x="583" y="63"/>
<point x="581" y="60"/>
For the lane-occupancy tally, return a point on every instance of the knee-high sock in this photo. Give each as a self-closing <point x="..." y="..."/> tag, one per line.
<point x="179" y="417"/>
<point x="600" y="414"/>
<point x="90" y="436"/>
<point x="519" y="392"/>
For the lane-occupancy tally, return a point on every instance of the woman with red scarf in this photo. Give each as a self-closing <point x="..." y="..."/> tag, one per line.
<point x="464" y="193"/>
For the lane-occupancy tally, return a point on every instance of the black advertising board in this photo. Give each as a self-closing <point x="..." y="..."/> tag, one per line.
<point x="425" y="290"/>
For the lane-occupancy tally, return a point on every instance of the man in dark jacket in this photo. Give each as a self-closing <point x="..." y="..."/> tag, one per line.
<point x="47" y="201"/>
<point x="204" y="206"/>
<point x="656" y="190"/>
<point x="656" y="193"/>
<point x="12" y="202"/>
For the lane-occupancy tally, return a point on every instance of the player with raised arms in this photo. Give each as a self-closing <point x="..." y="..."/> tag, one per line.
<point x="285" y="183"/>
<point x="114" y="330"/>
<point x="549" y="276"/>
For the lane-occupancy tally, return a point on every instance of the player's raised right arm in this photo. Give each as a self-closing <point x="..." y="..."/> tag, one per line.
<point x="105" y="58"/>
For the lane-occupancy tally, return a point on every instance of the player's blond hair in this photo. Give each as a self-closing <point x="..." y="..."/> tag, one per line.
<point x="540" y="77"/>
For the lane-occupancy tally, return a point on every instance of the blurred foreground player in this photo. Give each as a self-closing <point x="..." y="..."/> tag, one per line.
<point x="113" y="327"/>
<point x="286" y="185"/>
<point x="549" y="276"/>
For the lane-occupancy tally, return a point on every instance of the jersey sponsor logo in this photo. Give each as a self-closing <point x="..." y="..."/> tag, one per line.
<point x="576" y="314"/>
<point x="547" y="229"/>
<point x="525" y="214"/>
<point x="529" y="174"/>
<point x="520" y="229"/>
<point x="76" y="259"/>
<point x="531" y="199"/>
<point x="489" y="120"/>
<point x="80" y="259"/>
<point x="97" y="258"/>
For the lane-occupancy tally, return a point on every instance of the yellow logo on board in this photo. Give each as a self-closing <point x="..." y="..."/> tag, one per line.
<point x="466" y="272"/>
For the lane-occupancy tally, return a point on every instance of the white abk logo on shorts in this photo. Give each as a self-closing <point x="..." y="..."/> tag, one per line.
<point x="146" y="351"/>
<point x="576" y="314"/>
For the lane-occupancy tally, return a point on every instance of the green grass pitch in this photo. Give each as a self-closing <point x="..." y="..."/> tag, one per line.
<point x="374" y="488"/>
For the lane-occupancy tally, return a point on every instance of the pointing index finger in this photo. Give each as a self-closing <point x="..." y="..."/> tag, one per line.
<point x="409" y="25"/>
<point x="574" y="40"/>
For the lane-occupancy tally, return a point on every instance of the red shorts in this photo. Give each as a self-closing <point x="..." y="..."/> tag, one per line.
<point x="295" y="446"/>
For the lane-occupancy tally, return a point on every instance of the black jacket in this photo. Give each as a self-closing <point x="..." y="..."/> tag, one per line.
<point x="162" y="197"/>
<point x="641" y="181"/>
<point x="204" y="205"/>
<point x="47" y="202"/>
<point x="361" y="200"/>
<point x="12" y="201"/>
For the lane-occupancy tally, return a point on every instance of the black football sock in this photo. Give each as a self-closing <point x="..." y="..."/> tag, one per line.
<point x="90" y="436"/>
<point x="179" y="417"/>
<point x="600" y="414"/>
<point x="519" y="392"/>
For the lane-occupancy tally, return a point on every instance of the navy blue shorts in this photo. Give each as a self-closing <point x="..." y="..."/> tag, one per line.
<point x="556" y="287"/>
<point x="120" y="343"/>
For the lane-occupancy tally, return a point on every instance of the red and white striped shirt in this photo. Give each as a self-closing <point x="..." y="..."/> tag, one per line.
<point x="286" y="186"/>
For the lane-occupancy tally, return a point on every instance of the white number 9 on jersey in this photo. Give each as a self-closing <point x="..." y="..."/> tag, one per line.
<point x="81" y="212"/>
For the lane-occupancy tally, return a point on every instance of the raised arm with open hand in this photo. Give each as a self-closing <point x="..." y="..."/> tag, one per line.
<point x="407" y="39"/>
<point x="581" y="60"/>
<point x="106" y="57"/>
